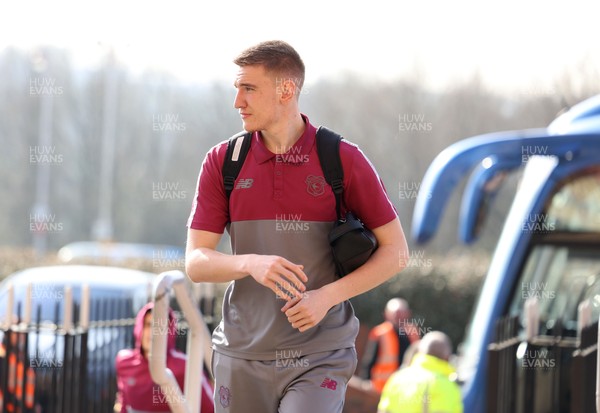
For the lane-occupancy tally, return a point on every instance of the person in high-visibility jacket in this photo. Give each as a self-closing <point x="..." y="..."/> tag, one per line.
<point x="387" y="344"/>
<point x="427" y="385"/>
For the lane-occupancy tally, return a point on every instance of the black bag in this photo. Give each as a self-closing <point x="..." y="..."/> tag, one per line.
<point x="351" y="242"/>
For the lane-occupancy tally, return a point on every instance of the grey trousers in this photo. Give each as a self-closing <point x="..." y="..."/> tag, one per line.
<point x="290" y="384"/>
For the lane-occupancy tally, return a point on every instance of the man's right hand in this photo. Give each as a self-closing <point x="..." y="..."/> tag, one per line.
<point x="204" y="264"/>
<point x="286" y="279"/>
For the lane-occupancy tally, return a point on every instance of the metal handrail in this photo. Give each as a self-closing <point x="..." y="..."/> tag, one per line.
<point x="198" y="334"/>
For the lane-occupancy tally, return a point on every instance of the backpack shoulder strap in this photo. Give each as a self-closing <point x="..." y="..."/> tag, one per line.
<point x="328" y="149"/>
<point x="237" y="149"/>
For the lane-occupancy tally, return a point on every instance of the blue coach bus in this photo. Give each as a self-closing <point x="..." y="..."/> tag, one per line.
<point x="531" y="345"/>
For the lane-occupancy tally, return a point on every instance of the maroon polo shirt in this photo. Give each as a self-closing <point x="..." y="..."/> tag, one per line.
<point x="281" y="205"/>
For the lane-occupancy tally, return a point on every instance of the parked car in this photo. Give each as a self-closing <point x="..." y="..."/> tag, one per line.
<point x="116" y="253"/>
<point x="48" y="284"/>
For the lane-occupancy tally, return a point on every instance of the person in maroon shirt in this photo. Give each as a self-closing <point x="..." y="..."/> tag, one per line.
<point x="286" y="341"/>
<point x="137" y="392"/>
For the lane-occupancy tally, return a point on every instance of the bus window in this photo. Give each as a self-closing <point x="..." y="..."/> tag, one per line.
<point x="575" y="207"/>
<point x="559" y="277"/>
<point x="563" y="265"/>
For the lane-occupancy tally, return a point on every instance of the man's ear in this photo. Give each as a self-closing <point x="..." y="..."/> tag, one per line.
<point x="287" y="89"/>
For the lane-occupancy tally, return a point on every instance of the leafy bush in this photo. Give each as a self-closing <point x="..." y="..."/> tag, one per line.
<point x="440" y="291"/>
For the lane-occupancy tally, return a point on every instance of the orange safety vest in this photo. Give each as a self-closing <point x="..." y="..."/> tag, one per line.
<point x="12" y="375"/>
<point x="30" y="388"/>
<point x="388" y="352"/>
<point x="16" y="371"/>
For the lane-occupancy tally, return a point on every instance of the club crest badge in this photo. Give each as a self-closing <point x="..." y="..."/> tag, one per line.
<point x="224" y="396"/>
<point x="315" y="185"/>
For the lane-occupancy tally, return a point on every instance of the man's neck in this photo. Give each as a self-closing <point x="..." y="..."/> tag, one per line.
<point x="283" y="138"/>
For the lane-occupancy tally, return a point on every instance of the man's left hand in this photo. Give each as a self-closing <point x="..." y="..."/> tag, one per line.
<point x="307" y="311"/>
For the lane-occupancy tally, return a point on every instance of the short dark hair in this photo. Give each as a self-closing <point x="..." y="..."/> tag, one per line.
<point x="275" y="56"/>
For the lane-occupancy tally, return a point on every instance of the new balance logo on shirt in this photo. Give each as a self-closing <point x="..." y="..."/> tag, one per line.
<point x="244" y="183"/>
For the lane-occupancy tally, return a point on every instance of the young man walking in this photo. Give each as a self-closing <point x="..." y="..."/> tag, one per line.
<point x="286" y="341"/>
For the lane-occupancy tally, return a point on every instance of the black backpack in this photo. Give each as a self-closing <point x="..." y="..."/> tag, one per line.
<point x="352" y="244"/>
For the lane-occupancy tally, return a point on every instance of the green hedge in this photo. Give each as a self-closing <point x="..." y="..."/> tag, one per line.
<point x="441" y="292"/>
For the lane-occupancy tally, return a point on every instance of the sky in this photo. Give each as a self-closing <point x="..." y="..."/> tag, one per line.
<point x="512" y="45"/>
